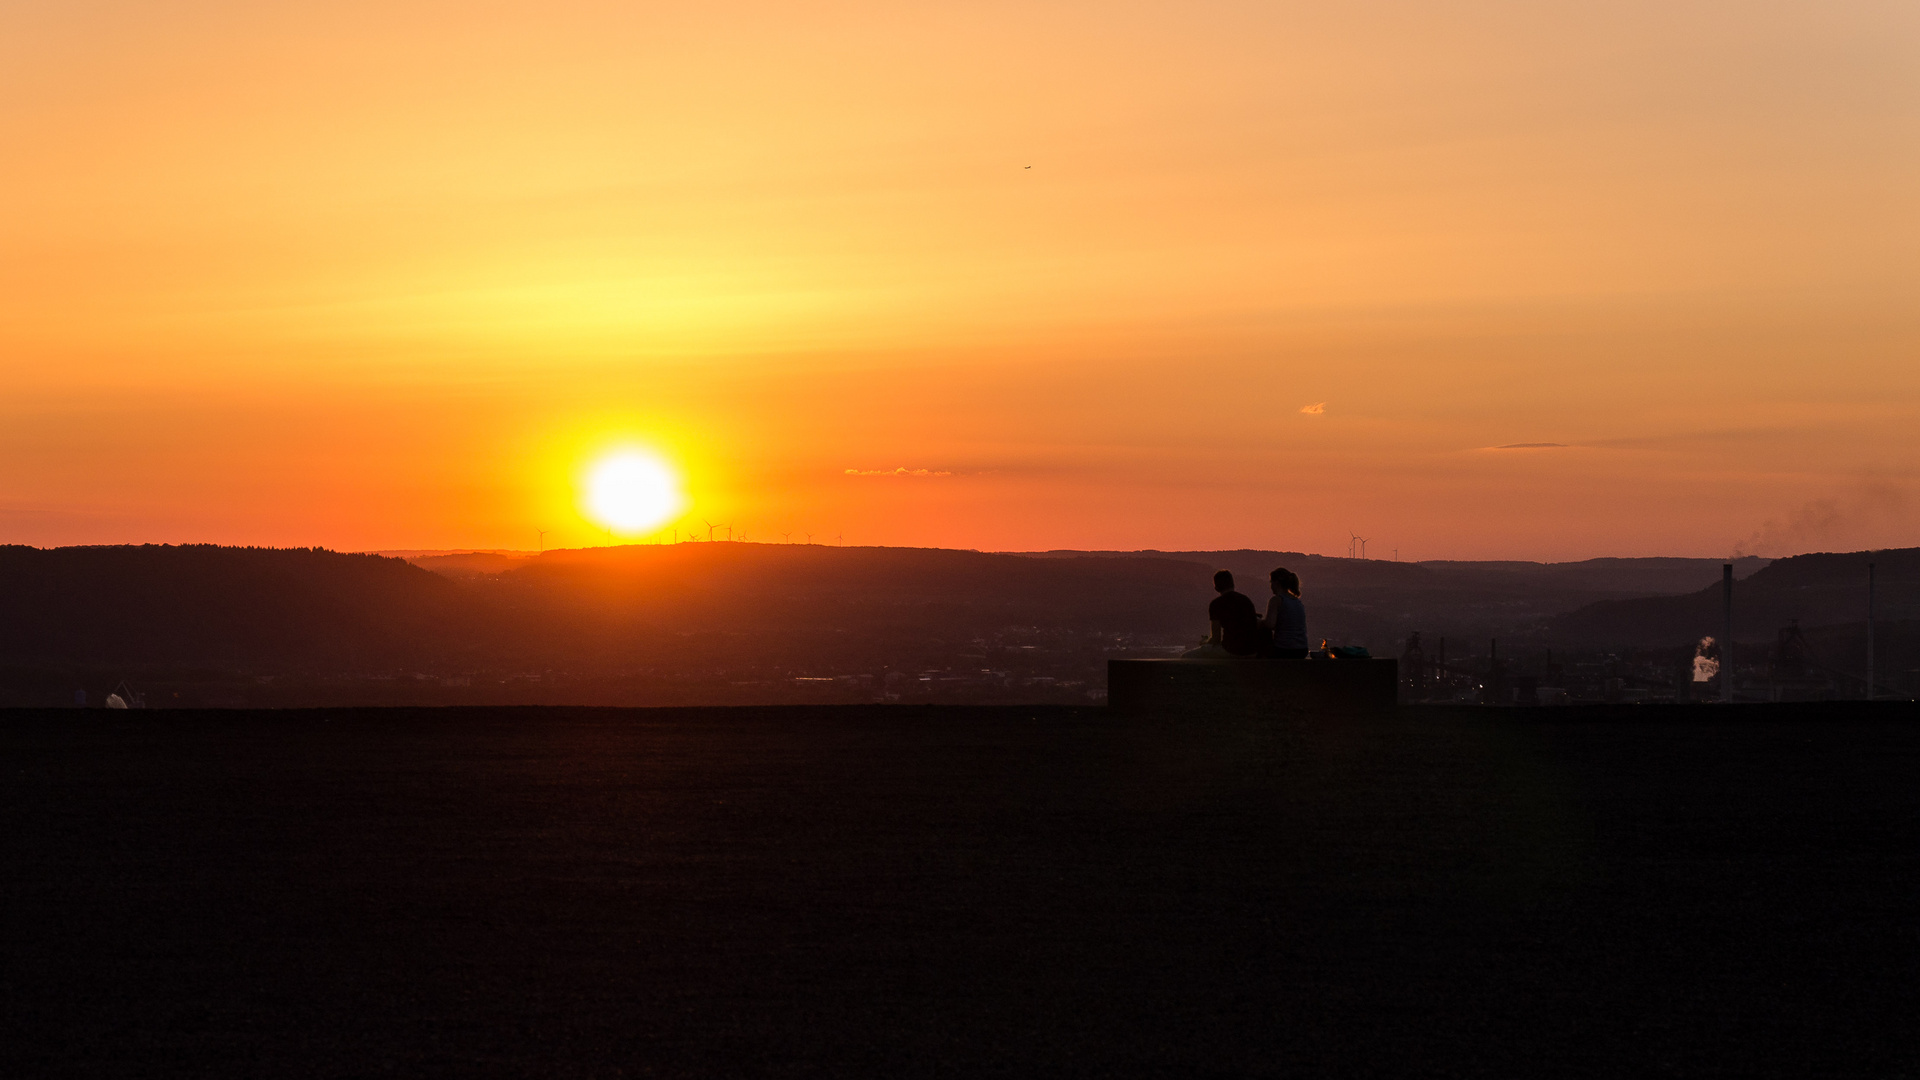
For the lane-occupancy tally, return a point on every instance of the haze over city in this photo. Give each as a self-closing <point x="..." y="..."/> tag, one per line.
<point x="1482" y="280"/>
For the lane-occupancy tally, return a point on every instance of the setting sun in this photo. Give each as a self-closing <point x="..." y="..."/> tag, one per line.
<point x="632" y="492"/>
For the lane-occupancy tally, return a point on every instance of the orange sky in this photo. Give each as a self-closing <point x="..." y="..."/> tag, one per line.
<point x="386" y="275"/>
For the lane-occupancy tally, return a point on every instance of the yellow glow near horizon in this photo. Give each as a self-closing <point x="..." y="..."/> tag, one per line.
<point x="1061" y="274"/>
<point x="632" y="492"/>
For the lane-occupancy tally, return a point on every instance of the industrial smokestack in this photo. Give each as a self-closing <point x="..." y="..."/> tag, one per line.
<point x="1726" y="636"/>
<point x="1869" y="631"/>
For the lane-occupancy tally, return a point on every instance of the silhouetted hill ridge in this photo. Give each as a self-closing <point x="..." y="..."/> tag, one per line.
<point x="817" y="579"/>
<point x="1588" y="578"/>
<point x="227" y="607"/>
<point x="1820" y="589"/>
<point x="729" y="606"/>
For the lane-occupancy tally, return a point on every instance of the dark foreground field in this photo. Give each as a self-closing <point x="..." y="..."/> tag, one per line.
<point x="927" y="891"/>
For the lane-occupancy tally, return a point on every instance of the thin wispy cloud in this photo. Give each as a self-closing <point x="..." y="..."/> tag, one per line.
<point x="1530" y="446"/>
<point x="902" y="471"/>
<point x="1315" y="409"/>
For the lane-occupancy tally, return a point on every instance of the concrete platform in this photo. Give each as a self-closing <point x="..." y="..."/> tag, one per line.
<point x="1260" y="686"/>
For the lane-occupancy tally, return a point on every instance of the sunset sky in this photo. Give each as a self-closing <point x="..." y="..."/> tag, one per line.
<point x="1525" y="279"/>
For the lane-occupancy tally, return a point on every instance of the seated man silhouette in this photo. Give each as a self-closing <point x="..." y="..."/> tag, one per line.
<point x="1235" y="624"/>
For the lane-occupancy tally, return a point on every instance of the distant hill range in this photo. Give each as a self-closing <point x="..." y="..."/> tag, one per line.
<point x="1377" y="602"/>
<point x="740" y="614"/>
<point x="1812" y="590"/>
<point x="223" y="608"/>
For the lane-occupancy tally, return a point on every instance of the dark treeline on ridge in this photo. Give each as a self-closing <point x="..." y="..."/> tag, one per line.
<point x="738" y="623"/>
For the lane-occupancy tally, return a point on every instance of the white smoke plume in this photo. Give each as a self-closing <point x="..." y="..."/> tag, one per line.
<point x="1828" y="523"/>
<point x="1704" y="667"/>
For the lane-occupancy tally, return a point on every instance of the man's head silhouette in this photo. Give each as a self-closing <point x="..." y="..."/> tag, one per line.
<point x="1223" y="581"/>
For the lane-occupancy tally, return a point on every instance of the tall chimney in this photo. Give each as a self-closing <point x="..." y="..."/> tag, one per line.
<point x="1869" y="631"/>
<point x="1726" y="635"/>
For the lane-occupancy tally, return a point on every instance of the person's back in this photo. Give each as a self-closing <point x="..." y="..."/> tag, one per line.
<point x="1287" y="616"/>
<point x="1235" y="624"/>
<point x="1290" y="627"/>
<point x="1239" y="622"/>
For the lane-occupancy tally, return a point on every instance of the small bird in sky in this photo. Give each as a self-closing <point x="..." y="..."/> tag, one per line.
<point x="1029" y="166"/>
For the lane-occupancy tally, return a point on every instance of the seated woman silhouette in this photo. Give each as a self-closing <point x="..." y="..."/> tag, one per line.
<point x="1235" y="624"/>
<point x="1286" y="620"/>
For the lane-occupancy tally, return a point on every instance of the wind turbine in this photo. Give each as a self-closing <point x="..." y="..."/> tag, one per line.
<point x="543" y="536"/>
<point x="710" y="527"/>
<point x="809" y="539"/>
<point x="787" y="537"/>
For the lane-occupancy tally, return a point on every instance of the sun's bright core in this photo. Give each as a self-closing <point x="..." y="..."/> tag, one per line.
<point x="632" y="492"/>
